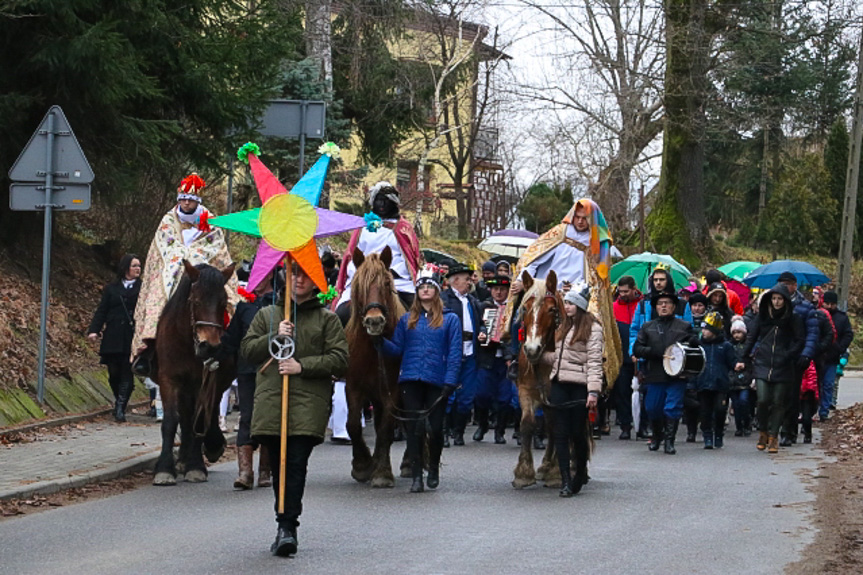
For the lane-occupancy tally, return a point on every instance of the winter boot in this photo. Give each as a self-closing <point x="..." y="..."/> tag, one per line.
<point x="762" y="440"/>
<point x="417" y="473"/>
<point x="708" y="439"/>
<point x="539" y="433"/>
<point x="246" y="478"/>
<point x="656" y="439"/>
<point x="772" y="444"/>
<point x="265" y="476"/>
<point x="286" y="541"/>
<point x="460" y="422"/>
<point x="625" y="432"/>
<point x="719" y="439"/>
<point x="447" y="428"/>
<point x="566" y="482"/>
<point x="482" y="424"/>
<point x="670" y="435"/>
<point x="500" y="426"/>
<point x="123" y="395"/>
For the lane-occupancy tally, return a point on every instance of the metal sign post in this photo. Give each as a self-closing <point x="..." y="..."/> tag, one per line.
<point x="47" y="165"/>
<point x="295" y="119"/>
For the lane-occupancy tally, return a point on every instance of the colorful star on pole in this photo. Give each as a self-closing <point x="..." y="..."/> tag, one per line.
<point x="288" y="223"/>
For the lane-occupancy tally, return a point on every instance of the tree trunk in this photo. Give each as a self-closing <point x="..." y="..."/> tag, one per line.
<point x="460" y="203"/>
<point x="678" y="223"/>
<point x="319" y="38"/>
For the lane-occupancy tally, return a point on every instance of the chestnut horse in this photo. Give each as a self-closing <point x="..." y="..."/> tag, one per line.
<point x="375" y="311"/>
<point x="192" y="374"/>
<point x="542" y="307"/>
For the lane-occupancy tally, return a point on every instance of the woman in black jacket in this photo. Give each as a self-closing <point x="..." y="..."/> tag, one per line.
<point x="116" y="313"/>
<point x="773" y="345"/>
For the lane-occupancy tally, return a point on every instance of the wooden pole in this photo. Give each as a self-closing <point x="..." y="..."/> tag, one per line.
<point x="641" y="215"/>
<point x="283" y="446"/>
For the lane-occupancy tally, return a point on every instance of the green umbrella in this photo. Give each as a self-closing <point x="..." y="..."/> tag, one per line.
<point x="640" y="266"/>
<point x="738" y="270"/>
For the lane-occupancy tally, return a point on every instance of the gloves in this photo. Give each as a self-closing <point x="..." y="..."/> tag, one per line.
<point x="448" y="390"/>
<point x="803" y="362"/>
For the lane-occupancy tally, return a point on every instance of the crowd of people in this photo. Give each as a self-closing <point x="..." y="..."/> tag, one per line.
<point x="774" y="359"/>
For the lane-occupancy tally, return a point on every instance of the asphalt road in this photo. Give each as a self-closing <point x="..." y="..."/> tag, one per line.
<point x="734" y="510"/>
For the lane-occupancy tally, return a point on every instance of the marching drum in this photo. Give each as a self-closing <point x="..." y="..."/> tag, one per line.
<point x="682" y="360"/>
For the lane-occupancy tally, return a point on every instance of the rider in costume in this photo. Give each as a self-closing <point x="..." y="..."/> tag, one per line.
<point x="578" y="250"/>
<point x="183" y="234"/>
<point x="395" y="232"/>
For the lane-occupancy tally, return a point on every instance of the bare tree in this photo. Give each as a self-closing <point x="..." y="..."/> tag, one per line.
<point x="606" y="91"/>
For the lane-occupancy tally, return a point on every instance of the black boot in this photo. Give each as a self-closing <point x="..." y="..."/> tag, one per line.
<point x="417" y="485"/>
<point x="123" y="395"/>
<point x="539" y="433"/>
<point x="566" y="482"/>
<point x="708" y="439"/>
<point x="625" y="432"/>
<point x="286" y="541"/>
<point x="670" y="434"/>
<point x="447" y="428"/>
<point x="482" y="424"/>
<point x="433" y="479"/>
<point x="460" y="422"/>
<point x="500" y="425"/>
<point x="656" y="436"/>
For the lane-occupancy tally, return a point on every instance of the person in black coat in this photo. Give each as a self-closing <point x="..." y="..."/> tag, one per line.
<point x="263" y="296"/>
<point x="844" y="335"/>
<point x="773" y="346"/>
<point x="664" y="399"/>
<point x="114" y="321"/>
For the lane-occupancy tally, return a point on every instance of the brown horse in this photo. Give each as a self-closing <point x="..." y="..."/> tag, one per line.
<point x="192" y="374"/>
<point x="375" y="311"/>
<point x="542" y="308"/>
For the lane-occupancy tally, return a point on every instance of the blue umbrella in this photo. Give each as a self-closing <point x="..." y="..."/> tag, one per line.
<point x="767" y="275"/>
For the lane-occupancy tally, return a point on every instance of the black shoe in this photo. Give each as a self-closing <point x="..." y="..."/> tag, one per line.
<point x="747" y="431"/>
<point x="690" y="438"/>
<point x="738" y="433"/>
<point x="718" y="441"/>
<point x="566" y="484"/>
<point x="708" y="441"/>
<point x="417" y="485"/>
<point x="807" y="439"/>
<point x="625" y="434"/>
<point x="670" y="436"/>
<point x="119" y="411"/>
<point x="458" y="438"/>
<point x="656" y="437"/>
<point x="538" y="442"/>
<point x="499" y="438"/>
<point x="285" y="543"/>
<point x="786" y="441"/>
<point x="433" y="479"/>
<point x="479" y="434"/>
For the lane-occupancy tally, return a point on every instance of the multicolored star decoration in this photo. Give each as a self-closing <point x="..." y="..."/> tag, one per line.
<point x="289" y="223"/>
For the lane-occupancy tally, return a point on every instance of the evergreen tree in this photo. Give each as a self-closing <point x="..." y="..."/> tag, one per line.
<point x="544" y="206"/>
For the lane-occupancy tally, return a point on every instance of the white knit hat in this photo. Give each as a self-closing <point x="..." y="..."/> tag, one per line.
<point x="738" y="325"/>
<point x="578" y="295"/>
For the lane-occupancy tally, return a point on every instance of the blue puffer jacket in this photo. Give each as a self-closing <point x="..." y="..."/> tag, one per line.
<point x="721" y="358"/>
<point x="804" y="308"/>
<point x="432" y="355"/>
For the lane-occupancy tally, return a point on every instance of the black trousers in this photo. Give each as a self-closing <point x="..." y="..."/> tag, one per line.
<point x="808" y="409"/>
<point x="623" y="395"/>
<point x="419" y="396"/>
<point x="792" y="408"/>
<point x="246" y="396"/>
<point x="713" y="407"/>
<point x="570" y="423"/>
<point x="296" y="466"/>
<point x="120" y="376"/>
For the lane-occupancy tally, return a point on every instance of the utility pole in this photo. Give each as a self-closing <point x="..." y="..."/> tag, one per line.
<point x="849" y="219"/>
<point x="641" y="215"/>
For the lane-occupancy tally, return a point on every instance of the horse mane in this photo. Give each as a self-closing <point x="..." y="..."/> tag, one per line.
<point x="210" y="280"/>
<point x="371" y="272"/>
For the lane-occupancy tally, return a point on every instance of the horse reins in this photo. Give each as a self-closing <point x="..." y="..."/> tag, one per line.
<point x="208" y="393"/>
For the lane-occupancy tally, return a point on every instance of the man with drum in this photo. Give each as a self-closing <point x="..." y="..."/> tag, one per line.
<point x="664" y="400"/>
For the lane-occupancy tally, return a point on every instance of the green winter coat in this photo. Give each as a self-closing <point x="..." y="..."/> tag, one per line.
<point x="322" y="350"/>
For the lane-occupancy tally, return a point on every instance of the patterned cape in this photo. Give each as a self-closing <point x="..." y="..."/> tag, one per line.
<point x="595" y="275"/>
<point x="164" y="268"/>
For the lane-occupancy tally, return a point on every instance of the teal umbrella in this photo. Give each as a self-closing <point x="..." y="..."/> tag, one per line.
<point x="640" y="266"/>
<point x="738" y="270"/>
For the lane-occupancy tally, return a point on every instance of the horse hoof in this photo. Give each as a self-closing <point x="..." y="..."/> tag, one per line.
<point x="383" y="482"/>
<point x="540" y="475"/>
<point x="164" y="478"/>
<point x="405" y="471"/>
<point x="361" y="476"/>
<point x="215" y="454"/>
<point x="557" y="483"/>
<point x="196" y="476"/>
<point x="521" y="483"/>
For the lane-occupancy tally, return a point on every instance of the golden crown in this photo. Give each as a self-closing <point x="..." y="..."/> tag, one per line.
<point x="663" y="266"/>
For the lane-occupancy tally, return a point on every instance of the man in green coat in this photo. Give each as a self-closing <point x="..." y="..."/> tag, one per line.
<point x="321" y="353"/>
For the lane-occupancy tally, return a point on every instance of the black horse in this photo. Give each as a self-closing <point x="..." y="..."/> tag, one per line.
<point x="193" y="372"/>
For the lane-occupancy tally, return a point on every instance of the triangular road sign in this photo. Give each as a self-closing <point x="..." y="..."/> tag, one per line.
<point x="70" y="165"/>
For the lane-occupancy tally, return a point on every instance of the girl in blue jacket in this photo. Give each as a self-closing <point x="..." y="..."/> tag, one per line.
<point x="429" y="339"/>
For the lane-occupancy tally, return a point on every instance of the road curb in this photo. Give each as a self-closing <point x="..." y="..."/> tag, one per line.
<point x="146" y="461"/>
<point x="66" y="419"/>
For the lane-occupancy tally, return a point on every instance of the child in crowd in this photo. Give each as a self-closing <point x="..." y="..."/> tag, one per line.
<point x="809" y="400"/>
<point x="691" y="408"/>
<point x="713" y="383"/>
<point x="741" y="382"/>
